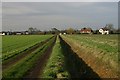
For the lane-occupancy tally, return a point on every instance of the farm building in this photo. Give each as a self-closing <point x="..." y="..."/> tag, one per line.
<point x="86" y="30"/>
<point x="1" y="33"/>
<point x="104" y="31"/>
<point x="18" y="33"/>
<point x="8" y="33"/>
<point x="64" y="33"/>
<point x="26" y="32"/>
<point x="5" y="33"/>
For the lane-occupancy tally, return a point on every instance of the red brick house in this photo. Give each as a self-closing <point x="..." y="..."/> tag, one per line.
<point x="86" y="30"/>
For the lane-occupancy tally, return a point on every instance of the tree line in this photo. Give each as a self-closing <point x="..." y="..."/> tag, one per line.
<point x="109" y="27"/>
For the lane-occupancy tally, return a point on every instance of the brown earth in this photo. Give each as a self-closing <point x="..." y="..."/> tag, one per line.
<point x="23" y="54"/>
<point x="76" y="67"/>
<point x="99" y="67"/>
<point x="37" y="70"/>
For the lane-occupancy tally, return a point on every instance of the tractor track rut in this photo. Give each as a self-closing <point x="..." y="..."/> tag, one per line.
<point x="38" y="68"/>
<point x="23" y="54"/>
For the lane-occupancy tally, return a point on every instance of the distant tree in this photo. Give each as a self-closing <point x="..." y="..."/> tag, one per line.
<point x="35" y="29"/>
<point x="31" y="30"/>
<point x="96" y="32"/>
<point x="118" y="31"/>
<point x="55" y="31"/>
<point x="109" y="26"/>
<point x="84" y="28"/>
<point x="70" y="31"/>
<point x="76" y="31"/>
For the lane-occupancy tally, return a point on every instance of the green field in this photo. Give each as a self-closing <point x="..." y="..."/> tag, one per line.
<point x="65" y="56"/>
<point x="15" y="44"/>
<point x="102" y="47"/>
<point x="19" y="69"/>
<point x="105" y="43"/>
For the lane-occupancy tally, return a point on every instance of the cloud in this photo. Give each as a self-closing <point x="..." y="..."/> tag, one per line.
<point x="60" y="0"/>
<point x="0" y="16"/>
<point x="22" y="15"/>
<point x="17" y="9"/>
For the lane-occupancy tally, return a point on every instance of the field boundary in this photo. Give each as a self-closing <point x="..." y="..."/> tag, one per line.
<point x="99" y="67"/>
<point x="76" y="66"/>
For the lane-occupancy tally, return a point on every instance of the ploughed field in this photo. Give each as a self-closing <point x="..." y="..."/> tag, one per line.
<point x="60" y="56"/>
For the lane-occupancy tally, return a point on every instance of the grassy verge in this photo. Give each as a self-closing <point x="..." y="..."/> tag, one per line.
<point x="55" y="67"/>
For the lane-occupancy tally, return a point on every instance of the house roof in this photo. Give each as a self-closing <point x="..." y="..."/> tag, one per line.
<point x="86" y="29"/>
<point x="104" y="29"/>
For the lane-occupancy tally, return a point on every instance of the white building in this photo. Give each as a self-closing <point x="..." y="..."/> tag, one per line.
<point x="64" y="33"/>
<point x="1" y="34"/>
<point x="104" y="31"/>
<point x="18" y="33"/>
<point x="60" y="34"/>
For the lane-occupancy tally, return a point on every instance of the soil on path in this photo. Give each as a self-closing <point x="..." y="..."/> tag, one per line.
<point x="37" y="70"/>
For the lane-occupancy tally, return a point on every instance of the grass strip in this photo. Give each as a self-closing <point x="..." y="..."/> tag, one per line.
<point x="55" y="67"/>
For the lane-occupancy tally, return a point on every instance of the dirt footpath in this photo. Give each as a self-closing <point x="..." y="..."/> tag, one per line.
<point x="37" y="70"/>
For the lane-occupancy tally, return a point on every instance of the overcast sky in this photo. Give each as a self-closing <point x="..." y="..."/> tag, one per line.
<point x="62" y="15"/>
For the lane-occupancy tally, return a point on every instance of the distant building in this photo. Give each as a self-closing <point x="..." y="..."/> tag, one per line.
<point x="60" y="33"/>
<point x="8" y="33"/>
<point x="18" y="33"/>
<point x="26" y="32"/>
<point x="5" y="33"/>
<point x="86" y="30"/>
<point x="104" y="31"/>
<point x="1" y="33"/>
<point x="64" y="33"/>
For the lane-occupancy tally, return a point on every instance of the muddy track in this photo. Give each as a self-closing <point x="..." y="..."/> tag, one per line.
<point x="37" y="70"/>
<point x="23" y="54"/>
<point x="76" y="67"/>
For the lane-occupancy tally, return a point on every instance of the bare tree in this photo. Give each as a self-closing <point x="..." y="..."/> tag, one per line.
<point x="31" y="30"/>
<point x="70" y="31"/>
<point x="109" y="26"/>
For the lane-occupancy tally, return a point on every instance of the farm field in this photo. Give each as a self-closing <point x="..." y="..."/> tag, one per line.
<point x="12" y="45"/>
<point x="97" y="50"/>
<point x="105" y="43"/>
<point x="0" y="46"/>
<point x="23" y="66"/>
<point x="62" y="56"/>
